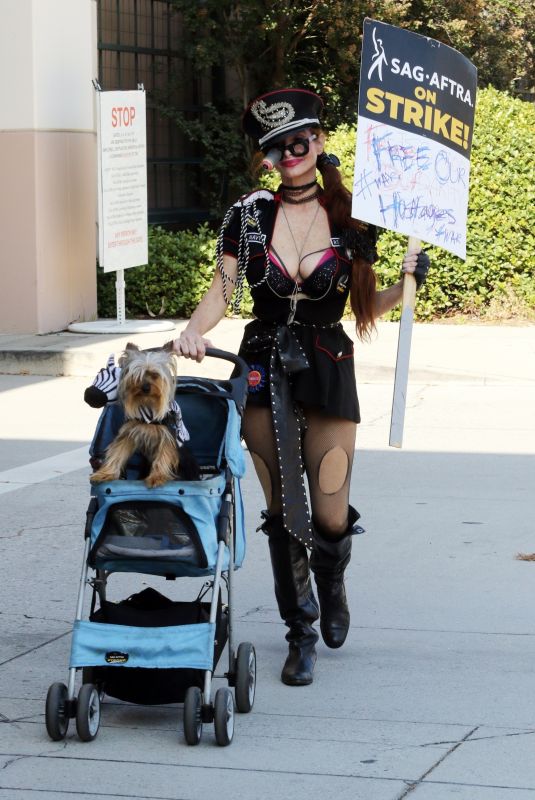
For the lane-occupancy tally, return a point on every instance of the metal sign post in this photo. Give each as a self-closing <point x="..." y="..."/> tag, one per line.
<point x="120" y="296"/>
<point x="399" y="399"/>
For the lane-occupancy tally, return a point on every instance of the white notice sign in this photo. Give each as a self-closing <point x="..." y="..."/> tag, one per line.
<point x="122" y="180"/>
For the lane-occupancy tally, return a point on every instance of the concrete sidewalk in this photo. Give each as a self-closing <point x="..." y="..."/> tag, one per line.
<point x="432" y="696"/>
<point x="480" y="353"/>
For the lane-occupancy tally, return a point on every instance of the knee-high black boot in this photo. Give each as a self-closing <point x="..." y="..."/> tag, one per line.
<point x="328" y="562"/>
<point x="295" y="598"/>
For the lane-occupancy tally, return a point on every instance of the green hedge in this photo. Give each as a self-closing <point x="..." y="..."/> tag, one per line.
<point x="178" y="274"/>
<point x="498" y="276"/>
<point x="180" y="270"/>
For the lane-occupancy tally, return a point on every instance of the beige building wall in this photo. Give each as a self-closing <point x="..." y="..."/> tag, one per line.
<point x="48" y="57"/>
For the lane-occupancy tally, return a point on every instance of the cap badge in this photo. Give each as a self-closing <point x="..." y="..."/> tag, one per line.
<point x="274" y="115"/>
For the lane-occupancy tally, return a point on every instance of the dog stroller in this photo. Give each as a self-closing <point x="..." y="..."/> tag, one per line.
<point x="148" y="649"/>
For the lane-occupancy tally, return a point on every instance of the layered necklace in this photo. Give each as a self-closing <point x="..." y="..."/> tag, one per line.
<point x="299" y="250"/>
<point x="293" y="194"/>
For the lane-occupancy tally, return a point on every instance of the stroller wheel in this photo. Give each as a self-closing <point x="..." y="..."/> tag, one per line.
<point x="57" y="721"/>
<point x="90" y="675"/>
<point x="192" y="715"/>
<point x="224" y="716"/>
<point x="245" y="677"/>
<point x="88" y="712"/>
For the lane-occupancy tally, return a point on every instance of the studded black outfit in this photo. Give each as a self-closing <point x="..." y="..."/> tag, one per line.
<point x="297" y="352"/>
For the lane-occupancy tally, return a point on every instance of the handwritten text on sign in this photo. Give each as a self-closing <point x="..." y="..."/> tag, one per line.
<point x="414" y="187"/>
<point x="416" y="113"/>
<point x="122" y="180"/>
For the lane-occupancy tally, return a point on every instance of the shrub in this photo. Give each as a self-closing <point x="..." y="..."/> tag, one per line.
<point x="179" y="272"/>
<point x="499" y="269"/>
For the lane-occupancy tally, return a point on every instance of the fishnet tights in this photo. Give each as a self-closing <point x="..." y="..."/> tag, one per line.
<point x="327" y="449"/>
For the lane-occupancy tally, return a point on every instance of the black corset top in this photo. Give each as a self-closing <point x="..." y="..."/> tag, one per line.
<point x="314" y="286"/>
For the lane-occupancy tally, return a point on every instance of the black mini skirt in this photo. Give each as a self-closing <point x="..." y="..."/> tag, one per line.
<point x="329" y="381"/>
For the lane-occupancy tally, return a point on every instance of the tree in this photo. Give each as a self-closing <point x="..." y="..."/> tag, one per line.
<point x="316" y="44"/>
<point x="498" y="36"/>
<point x="267" y="45"/>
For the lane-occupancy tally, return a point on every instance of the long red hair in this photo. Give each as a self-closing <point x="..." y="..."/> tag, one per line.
<point x="363" y="283"/>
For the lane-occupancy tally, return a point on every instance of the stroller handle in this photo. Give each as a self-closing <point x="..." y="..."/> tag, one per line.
<point x="226" y="355"/>
<point x="213" y="352"/>
<point x="237" y="384"/>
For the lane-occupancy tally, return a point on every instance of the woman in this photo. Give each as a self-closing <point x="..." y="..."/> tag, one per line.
<point x="302" y="256"/>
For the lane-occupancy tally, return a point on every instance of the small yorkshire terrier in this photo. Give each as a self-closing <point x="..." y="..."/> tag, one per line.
<point x="153" y="423"/>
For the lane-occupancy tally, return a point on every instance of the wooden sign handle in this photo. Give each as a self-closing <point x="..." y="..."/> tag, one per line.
<point x="399" y="399"/>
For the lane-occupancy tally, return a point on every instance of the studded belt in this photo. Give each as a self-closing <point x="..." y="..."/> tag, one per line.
<point x="287" y="358"/>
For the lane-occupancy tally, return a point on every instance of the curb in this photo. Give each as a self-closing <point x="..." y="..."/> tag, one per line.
<point x="51" y="363"/>
<point x="78" y="363"/>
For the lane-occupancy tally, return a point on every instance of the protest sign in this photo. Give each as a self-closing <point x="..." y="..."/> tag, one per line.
<point x="415" y="125"/>
<point x="122" y="180"/>
<point x="412" y="160"/>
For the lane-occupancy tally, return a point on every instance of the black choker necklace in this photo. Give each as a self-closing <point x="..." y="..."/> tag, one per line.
<point x="297" y="189"/>
<point x="307" y="199"/>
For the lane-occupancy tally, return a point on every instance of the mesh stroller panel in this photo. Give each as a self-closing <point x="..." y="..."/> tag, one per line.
<point x="199" y="501"/>
<point x="213" y="422"/>
<point x="206" y="420"/>
<point x="149" y="530"/>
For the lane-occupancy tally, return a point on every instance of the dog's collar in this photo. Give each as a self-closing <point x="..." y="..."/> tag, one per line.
<point x="171" y="423"/>
<point x="145" y="414"/>
<point x="172" y="420"/>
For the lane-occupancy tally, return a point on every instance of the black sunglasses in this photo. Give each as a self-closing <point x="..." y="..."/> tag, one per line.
<point x="299" y="147"/>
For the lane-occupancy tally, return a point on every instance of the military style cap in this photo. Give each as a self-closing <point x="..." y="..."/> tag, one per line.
<point x="277" y="113"/>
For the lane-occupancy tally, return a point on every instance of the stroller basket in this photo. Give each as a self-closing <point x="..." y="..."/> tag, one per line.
<point x="122" y="622"/>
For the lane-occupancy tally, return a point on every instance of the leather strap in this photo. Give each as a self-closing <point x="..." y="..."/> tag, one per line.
<point x="287" y="358"/>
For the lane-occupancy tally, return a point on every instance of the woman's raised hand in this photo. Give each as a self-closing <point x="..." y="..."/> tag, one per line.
<point x="191" y="345"/>
<point x="416" y="264"/>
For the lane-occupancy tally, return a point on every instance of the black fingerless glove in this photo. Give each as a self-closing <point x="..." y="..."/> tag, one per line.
<point x="421" y="269"/>
<point x="327" y="158"/>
